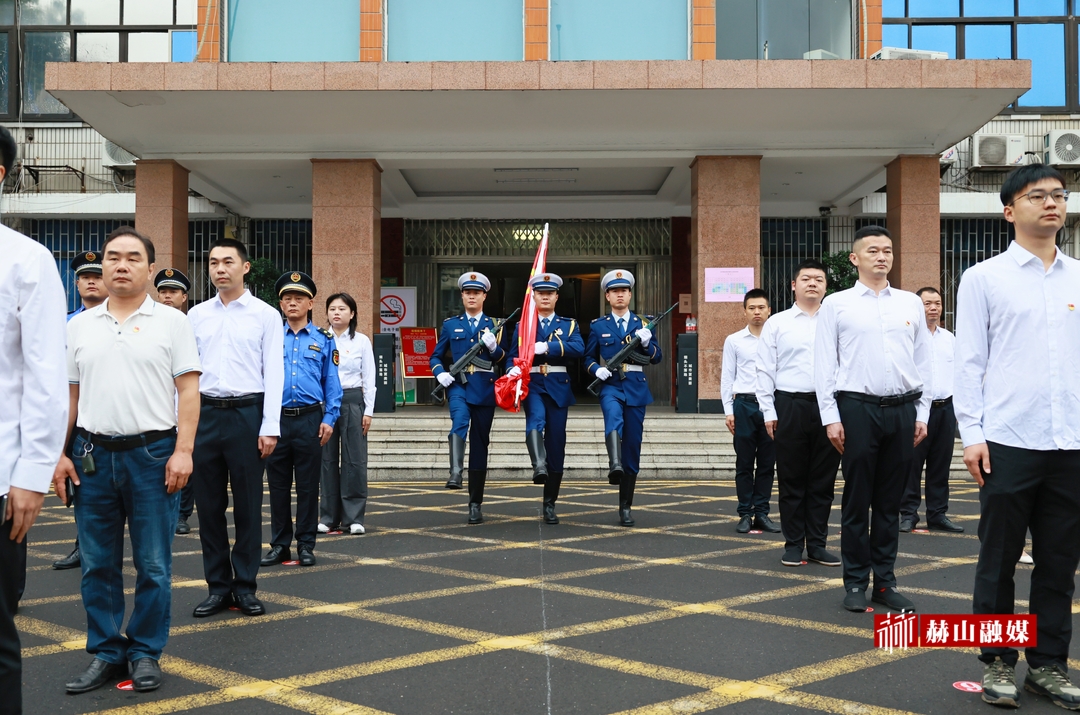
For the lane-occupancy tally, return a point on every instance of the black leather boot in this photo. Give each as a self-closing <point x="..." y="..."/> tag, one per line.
<point x="626" y="498"/>
<point x="614" y="455"/>
<point x="457" y="462"/>
<point x="538" y="454"/>
<point x="551" y="493"/>
<point x="477" y="478"/>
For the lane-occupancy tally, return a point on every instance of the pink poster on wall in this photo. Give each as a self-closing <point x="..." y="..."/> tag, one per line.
<point x="727" y="285"/>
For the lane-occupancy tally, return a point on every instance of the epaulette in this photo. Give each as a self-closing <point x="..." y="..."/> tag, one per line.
<point x="600" y="318"/>
<point x="326" y="332"/>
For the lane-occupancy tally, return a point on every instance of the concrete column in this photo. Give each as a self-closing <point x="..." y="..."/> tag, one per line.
<point x="161" y="209"/>
<point x="346" y="218"/>
<point x="725" y="232"/>
<point x="913" y="189"/>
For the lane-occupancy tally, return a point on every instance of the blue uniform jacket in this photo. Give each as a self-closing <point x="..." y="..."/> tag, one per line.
<point x="454" y="341"/>
<point x="605" y="341"/>
<point x="564" y="342"/>
<point x="311" y="371"/>
<point x="75" y="312"/>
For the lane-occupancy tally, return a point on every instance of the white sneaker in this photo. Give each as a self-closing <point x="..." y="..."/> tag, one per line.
<point x="323" y="528"/>
<point x="356" y="529"/>
<point x="1025" y="558"/>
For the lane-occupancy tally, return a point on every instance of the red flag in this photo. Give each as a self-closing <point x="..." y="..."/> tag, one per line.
<point x="510" y="391"/>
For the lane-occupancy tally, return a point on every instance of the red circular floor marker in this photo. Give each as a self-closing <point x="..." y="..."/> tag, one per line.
<point x="968" y="686"/>
<point x="756" y="531"/>
<point x="234" y="608"/>
<point x="125" y="685"/>
<point x="920" y="531"/>
<point x="290" y="563"/>
<point x="335" y="532"/>
<point x="869" y="609"/>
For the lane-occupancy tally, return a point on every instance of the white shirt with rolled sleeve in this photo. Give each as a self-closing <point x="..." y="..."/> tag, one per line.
<point x="942" y="347"/>
<point x="738" y="370"/>
<point x="33" y="388"/>
<point x="785" y="357"/>
<point x="1017" y="342"/>
<point x="241" y="345"/>
<point x="126" y="371"/>
<point x="876" y="344"/>
<point x="356" y="366"/>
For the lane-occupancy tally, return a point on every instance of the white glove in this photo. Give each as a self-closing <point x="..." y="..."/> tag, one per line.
<point x="540" y="348"/>
<point x="488" y="338"/>
<point x="602" y="373"/>
<point x="514" y="371"/>
<point x="646" y="335"/>
<point x="445" y="379"/>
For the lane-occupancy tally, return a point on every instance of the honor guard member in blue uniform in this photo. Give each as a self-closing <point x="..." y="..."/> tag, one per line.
<point x="310" y="405"/>
<point x="92" y="293"/>
<point x="474" y="402"/>
<point x="172" y="289"/>
<point x="624" y="396"/>
<point x="558" y="340"/>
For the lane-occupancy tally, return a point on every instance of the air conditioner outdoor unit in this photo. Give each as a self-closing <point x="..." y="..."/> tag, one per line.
<point x="820" y="55"/>
<point x="1061" y="148"/>
<point x="997" y="150"/>
<point x="902" y="53"/>
<point x="115" y="156"/>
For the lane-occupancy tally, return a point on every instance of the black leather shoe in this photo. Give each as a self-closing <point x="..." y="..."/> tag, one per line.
<point x="276" y="555"/>
<point x="906" y="525"/>
<point x="307" y="558"/>
<point x="71" y="561"/>
<point x="892" y="598"/>
<point x="250" y="605"/>
<point x="855" y="600"/>
<point x="475" y="515"/>
<point x="946" y="524"/>
<point x="549" y="513"/>
<point x="214" y="603"/>
<point x="95" y="676"/>
<point x="763" y="522"/>
<point x="182" y="528"/>
<point x="625" y="518"/>
<point x="145" y="675"/>
<point x="744" y="524"/>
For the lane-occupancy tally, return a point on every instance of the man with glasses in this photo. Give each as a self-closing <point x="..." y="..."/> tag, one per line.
<point x="1018" y="404"/>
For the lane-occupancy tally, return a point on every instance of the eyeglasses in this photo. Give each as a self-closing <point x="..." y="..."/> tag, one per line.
<point x="1038" y="198"/>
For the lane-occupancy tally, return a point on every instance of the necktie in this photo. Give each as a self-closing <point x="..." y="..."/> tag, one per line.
<point x="544" y="325"/>
<point x="472" y="324"/>
<point x="622" y="326"/>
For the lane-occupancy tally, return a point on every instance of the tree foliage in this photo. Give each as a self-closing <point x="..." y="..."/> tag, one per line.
<point x="260" y="281"/>
<point x="842" y="275"/>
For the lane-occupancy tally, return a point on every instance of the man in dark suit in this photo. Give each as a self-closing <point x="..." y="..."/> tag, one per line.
<point x="472" y="403"/>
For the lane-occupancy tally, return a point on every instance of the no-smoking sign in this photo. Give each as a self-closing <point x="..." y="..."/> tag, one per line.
<point x="393" y="310"/>
<point x="397" y="308"/>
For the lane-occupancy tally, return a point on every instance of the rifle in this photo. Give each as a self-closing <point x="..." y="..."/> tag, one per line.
<point x="458" y="368"/>
<point x="617" y="360"/>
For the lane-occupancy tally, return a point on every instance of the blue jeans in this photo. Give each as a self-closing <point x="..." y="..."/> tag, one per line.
<point x="127" y="486"/>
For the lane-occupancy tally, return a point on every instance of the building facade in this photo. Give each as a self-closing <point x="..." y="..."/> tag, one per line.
<point x="404" y="141"/>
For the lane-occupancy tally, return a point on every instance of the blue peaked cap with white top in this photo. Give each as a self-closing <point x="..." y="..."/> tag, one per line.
<point x="545" y="281"/>
<point x="618" y="278"/>
<point x="474" y="281"/>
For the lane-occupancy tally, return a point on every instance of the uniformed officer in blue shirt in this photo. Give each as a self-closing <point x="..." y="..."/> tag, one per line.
<point x="624" y="395"/>
<point x="558" y="340"/>
<point x="92" y="293"/>
<point x="310" y="405"/>
<point x="473" y="402"/>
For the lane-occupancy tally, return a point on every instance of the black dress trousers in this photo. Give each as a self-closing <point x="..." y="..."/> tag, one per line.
<point x="878" y="449"/>
<point x="806" y="465"/>
<point x="12" y="571"/>
<point x="227" y="456"/>
<point x="936" y="452"/>
<point x="755" y="458"/>
<point x="298" y="457"/>
<point x="1037" y="490"/>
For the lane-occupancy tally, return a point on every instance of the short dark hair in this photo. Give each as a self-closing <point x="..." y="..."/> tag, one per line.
<point x="240" y="248"/>
<point x="151" y="254"/>
<point x="1023" y="177"/>
<point x="8" y="150"/>
<point x="871" y="231"/>
<point x="810" y="264"/>
<point x="755" y="293"/>
<point x="349" y="301"/>
<point x="927" y="289"/>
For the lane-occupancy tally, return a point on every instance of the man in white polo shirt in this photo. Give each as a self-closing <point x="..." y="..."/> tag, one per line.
<point x="128" y="359"/>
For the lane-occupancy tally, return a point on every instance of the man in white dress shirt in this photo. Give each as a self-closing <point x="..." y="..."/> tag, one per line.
<point x="936" y="450"/>
<point x="241" y="344"/>
<point x="33" y="390"/>
<point x="806" y="462"/>
<point x="871" y="353"/>
<point x="1018" y="404"/>
<point x="753" y="446"/>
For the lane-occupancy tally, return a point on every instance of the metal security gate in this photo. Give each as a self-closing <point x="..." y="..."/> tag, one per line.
<point x="66" y="238"/>
<point x="201" y="234"/>
<point x="965" y="242"/>
<point x="785" y="243"/>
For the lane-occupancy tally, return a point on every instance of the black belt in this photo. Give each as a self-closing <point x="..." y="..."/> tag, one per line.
<point x="297" y="411"/>
<point x="229" y="402"/>
<point x="126" y="442"/>
<point x="747" y="397"/>
<point x="890" y="401"/>
<point x="942" y="402"/>
<point x="808" y="396"/>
